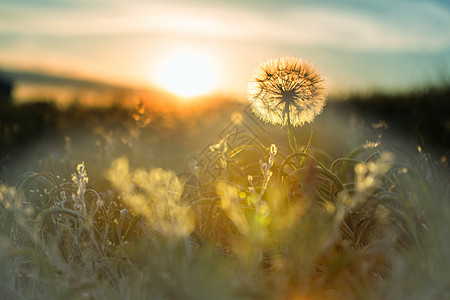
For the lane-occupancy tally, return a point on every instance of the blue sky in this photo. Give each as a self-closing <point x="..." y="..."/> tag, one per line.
<point x="358" y="45"/>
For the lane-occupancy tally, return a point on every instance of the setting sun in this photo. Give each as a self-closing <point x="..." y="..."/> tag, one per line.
<point x="186" y="74"/>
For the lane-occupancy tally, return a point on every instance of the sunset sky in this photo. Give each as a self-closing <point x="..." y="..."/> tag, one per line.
<point x="216" y="45"/>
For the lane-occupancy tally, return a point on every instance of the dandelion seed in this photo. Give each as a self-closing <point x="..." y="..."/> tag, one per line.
<point x="287" y="91"/>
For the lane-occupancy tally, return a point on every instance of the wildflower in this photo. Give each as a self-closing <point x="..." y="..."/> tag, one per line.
<point x="155" y="194"/>
<point x="80" y="178"/>
<point x="273" y="149"/>
<point x="140" y="116"/>
<point x="287" y="91"/>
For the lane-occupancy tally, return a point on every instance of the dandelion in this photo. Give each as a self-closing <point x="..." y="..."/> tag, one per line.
<point x="287" y="91"/>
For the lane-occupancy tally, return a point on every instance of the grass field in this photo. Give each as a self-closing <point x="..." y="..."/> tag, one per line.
<point x="171" y="202"/>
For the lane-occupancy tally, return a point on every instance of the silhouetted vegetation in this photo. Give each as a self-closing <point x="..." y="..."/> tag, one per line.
<point x="6" y="88"/>
<point x="423" y="112"/>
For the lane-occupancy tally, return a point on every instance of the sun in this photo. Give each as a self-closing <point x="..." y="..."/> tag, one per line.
<point x="186" y="74"/>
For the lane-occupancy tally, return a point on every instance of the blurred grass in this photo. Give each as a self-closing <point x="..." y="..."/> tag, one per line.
<point x="365" y="216"/>
<point x="39" y="134"/>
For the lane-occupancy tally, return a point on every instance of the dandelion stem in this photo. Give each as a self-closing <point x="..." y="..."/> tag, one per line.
<point x="292" y="141"/>
<point x="291" y="137"/>
<point x="311" y="131"/>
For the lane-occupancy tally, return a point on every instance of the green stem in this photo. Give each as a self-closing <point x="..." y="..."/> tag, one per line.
<point x="291" y="137"/>
<point x="333" y="176"/>
<point x="307" y="145"/>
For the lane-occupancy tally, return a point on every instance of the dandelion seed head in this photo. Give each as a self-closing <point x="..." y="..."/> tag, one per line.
<point x="287" y="91"/>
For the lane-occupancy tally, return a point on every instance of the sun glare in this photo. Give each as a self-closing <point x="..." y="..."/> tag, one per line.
<point x="187" y="74"/>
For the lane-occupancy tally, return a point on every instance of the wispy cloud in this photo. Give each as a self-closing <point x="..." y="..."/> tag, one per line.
<point x="419" y="27"/>
<point x="394" y="26"/>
